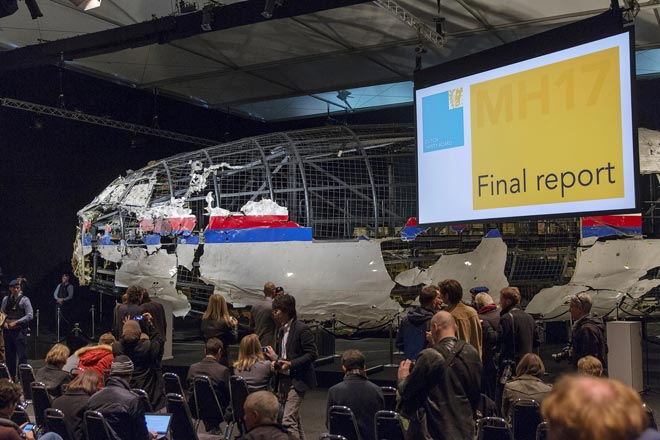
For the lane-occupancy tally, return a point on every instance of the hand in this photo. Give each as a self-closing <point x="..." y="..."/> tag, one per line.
<point x="429" y="338"/>
<point x="28" y="435"/>
<point x="286" y="365"/>
<point x="147" y="316"/>
<point x="60" y="301"/>
<point x="404" y="369"/>
<point x="270" y="353"/>
<point x="233" y="321"/>
<point x="12" y="324"/>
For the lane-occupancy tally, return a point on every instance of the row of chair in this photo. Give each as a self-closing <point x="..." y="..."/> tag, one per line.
<point x="387" y="424"/>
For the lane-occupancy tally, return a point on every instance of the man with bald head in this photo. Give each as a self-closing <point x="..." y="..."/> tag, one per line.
<point x="261" y="316"/>
<point x="445" y="381"/>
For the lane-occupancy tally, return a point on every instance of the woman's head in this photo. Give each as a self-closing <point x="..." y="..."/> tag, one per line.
<point x="87" y="381"/>
<point x="530" y="364"/>
<point x="217" y="308"/>
<point x="58" y="355"/>
<point x="590" y="365"/>
<point x="249" y="352"/>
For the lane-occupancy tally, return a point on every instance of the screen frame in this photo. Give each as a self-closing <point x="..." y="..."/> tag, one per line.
<point x="595" y="28"/>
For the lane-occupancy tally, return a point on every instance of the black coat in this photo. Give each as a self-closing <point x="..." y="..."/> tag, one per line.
<point x="363" y="397"/>
<point x="589" y="339"/>
<point x="301" y="352"/>
<point x="261" y="320"/>
<point x="216" y="372"/>
<point x="73" y="404"/>
<point x="122" y="409"/>
<point x="146" y="356"/>
<point x="222" y="330"/>
<point x="518" y="334"/>
<point x="54" y="379"/>
<point x="449" y="394"/>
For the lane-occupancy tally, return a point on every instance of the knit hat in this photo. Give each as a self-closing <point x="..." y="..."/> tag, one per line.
<point x="122" y="365"/>
<point x="131" y="331"/>
<point x="479" y="289"/>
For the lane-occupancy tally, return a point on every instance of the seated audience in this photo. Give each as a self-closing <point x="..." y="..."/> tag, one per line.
<point x="146" y="357"/>
<point x="587" y="407"/>
<point x="527" y="384"/>
<point x="97" y="357"/>
<point x="362" y="396"/>
<point x="121" y="408"/>
<point x="252" y="365"/>
<point x="51" y="374"/>
<point x="590" y="366"/>
<point x="73" y="403"/>
<point x="261" y="409"/>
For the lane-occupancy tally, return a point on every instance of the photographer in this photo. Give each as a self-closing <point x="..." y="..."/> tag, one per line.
<point x="293" y="362"/>
<point x="588" y="331"/>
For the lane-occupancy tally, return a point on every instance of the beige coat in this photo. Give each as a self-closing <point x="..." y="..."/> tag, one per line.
<point x="469" y="325"/>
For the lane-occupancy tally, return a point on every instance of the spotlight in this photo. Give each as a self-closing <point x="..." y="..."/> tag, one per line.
<point x="33" y="7"/>
<point x="86" y="4"/>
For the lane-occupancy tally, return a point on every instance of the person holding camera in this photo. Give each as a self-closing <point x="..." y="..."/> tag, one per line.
<point x="293" y="361"/>
<point x="445" y="385"/>
<point x="588" y="331"/>
<point x="252" y="364"/>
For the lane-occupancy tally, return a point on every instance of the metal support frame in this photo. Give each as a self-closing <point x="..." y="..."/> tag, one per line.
<point x="422" y="28"/>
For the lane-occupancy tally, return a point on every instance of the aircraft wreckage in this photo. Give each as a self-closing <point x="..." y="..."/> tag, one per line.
<point x="328" y="213"/>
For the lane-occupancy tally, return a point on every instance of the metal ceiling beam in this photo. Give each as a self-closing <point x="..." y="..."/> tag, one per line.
<point x="158" y="31"/>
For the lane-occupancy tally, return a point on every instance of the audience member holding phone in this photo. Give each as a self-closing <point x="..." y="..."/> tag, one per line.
<point x="252" y="364"/>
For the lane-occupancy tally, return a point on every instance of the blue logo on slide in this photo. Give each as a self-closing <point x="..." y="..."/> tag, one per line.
<point x="443" y="120"/>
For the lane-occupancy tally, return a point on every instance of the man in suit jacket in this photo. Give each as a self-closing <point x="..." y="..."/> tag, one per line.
<point x="362" y="396"/>
<point x="293" y="359"/>
<point x="261" y="317"/>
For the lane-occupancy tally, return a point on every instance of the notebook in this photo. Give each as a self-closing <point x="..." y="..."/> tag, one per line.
<point x="159" y="423"/>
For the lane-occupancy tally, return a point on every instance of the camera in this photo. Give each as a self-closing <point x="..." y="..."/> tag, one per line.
<point x="565" y="353"/>
<point x="277" y="366"/>
<point x="265" y="350"/>
<point x="138" y="317"/>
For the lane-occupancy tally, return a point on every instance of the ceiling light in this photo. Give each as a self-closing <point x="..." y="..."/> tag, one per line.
<point x="86" y="4"/>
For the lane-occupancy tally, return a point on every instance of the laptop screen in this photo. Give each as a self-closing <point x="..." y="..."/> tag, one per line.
<point x="159" y="423"/>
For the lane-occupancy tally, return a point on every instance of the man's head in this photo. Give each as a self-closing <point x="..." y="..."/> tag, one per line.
<point x="65" y="278"/>
<point x="134" y="294"/>
<point x="14" y="287"/>
<point x="353" y="360"/>
<point x="107" y="339"/>
<point x="451" y="291"/>
<point x="261" y="408"/>
<point x="430" y="298"/>
<point x="580" y="305"/>
<point x="590" y="366"/>
<point x="279" y="291"/>
<point x="131" y="331"/>
<point x="586" y="407"/>
<point x="443" y="325"/>
<point x="269" y="289"/>
<point x="482" y="300"/>
<point x="213" y="348"/>
<point x="122" y="367"/>
<point x="10" y="396"/>
<point x="284" y="308"/>
<point x="509" y="297"/>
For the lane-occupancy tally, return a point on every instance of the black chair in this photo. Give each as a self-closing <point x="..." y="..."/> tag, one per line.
<point x="542" y="431"/>
<point x="41" y="401"/>
<point x="55" y="423"/>
<point x="328" y="436"/>
<point x="173" y="384"/>
<point x="182" y="426"/>
<point x="388" y="426"/>
<point x="144" y="399"/>
<point x="206" y="401"/>
<point x="4" y="372"/>
<point x="238" y="391"/>
<point x="389" y="393"/>
<point x="525" y="417"/>
<point x="96" y="427"/>
<point x="26" y="376"/>
<point x="341" y="420"/>
<point x="493" y="428"/>
<point x="20" y="415"/>
<point x="651" y="416"/>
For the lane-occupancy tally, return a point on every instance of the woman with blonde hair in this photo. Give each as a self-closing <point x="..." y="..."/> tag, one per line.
<point x="527" y="384"/>
<point x="51" y="373"/>
<point x="73" y="403"/>
<point x="217" y="323"/>
<point x="590" y="366"/>
<point x="252" y="365"/>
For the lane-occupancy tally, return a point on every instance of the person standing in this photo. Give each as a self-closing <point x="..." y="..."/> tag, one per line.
<point x="128" y="309"/>
<point x="293" y="362"/>
<point x="490" y="325"/>
<point x="63" y="296"/>
<point x="411" y="337"/>
<point x="218" y="323"/>
<point x="18" y="309"/>
<point x="157" y="312"/>
<point x="467" y="321"/>
<point x="588" y="331"/>
<point x="445" y="383"/>
<point x="261" y="317"/>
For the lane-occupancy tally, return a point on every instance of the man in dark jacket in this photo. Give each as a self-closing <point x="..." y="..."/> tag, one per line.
<point x="362" y="396"/>
<point x="261" y="317"/>
<point x="411" y="338"/>
<point x="445" y="383"/>
<point x="211" y="367"/>
<point x="121" y="408"/>
<point x="293" y="361"/>
<point x="261" y="409"/>
<point x="490" y="324"/>
<point x="588" y="331"/>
